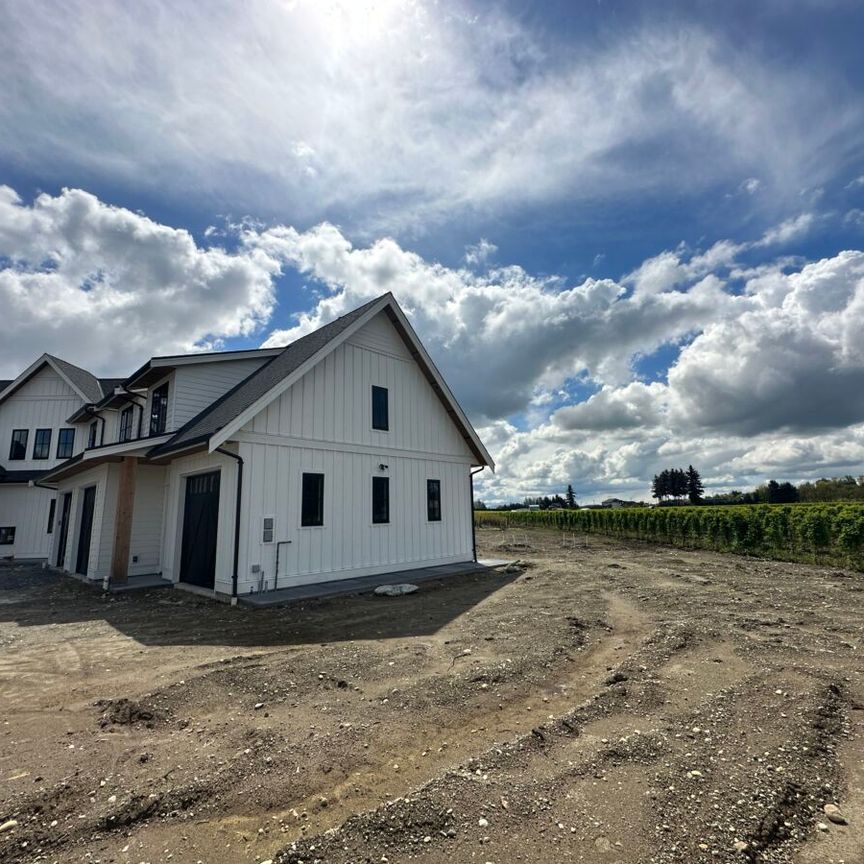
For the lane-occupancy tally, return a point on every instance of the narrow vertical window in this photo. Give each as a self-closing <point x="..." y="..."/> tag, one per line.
<point x="433" y="500"/>
<point x="159" y="410"/>
<point x="51" y="509"/>
<point x="380" y="409"/>
<point x="126" y="424"/>
<point x="65" y="443"/>
<point x="91" y="435"/>
<point x="42" y="444"/>
<point x="312" y="504"/>
<point x="18" y="448"/>
<point x="380" y="500"/>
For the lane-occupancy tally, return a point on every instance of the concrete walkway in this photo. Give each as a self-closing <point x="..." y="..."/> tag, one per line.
<point x="140" y="583"/>
<point x="365" y="584"/>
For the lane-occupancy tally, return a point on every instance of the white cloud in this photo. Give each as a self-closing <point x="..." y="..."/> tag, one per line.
<point x="105" y="287"/>
<point x="479" y="253"/>
<point x="524" y="332"/>
<point x="791" y="229"/>
<point x="396" y="113"/>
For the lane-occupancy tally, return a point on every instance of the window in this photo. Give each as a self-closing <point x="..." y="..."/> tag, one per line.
<point x="433" y="500"/>
<point x="51" y="509"/>
<point x="7" y="536"/>
<point x="380" y="413"/>
<point x="126" y="424"/>
<point x="380" y="500"/>
<point x="65" y="443"/>
<point x="91" y="437"/>
<point x="18" y="450"/>
<point x="42" y="444"/>
<point x="312" y="504"/>
<point x="267" y="529"/>
<point x="159" y="410"/>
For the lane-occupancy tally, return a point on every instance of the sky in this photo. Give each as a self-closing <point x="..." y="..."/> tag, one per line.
<point x="630" y="235"/>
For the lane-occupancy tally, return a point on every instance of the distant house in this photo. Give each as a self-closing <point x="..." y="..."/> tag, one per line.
<point x="616" y="503"/>
<point x="344" y="454"/>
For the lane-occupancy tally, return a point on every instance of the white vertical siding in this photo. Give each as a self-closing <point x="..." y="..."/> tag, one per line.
<point x="42" y="402"/>
<point x="26" y="509"/>
<point x="323" y="424"/>
<point x="147" y="515"/>
<point x="348" y="544"/>
<point x="105" y="479"/>
<point x="333" y="401"/>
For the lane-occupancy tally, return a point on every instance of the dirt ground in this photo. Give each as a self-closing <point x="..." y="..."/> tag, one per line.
<point x="608" y="702"/>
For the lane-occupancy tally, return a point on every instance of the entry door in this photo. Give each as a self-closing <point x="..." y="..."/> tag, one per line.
<point x="200" y="519"/>
<point x="65" y="504"/>
<point x="86" y="530"/>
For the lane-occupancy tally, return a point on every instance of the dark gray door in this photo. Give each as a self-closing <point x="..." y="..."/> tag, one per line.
<point x="64" y="528"/>
<point x="200" y="521"/>
<point x="86" y="531"/>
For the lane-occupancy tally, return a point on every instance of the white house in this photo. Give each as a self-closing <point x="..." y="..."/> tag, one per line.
<point x="343" y="455"/>
<point x="34" y="426"/>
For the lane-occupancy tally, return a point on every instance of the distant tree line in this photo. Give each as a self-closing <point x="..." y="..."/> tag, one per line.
<point x="679" y="486"/>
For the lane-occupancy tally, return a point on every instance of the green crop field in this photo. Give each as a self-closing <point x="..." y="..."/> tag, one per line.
<point x="813" y="533"/>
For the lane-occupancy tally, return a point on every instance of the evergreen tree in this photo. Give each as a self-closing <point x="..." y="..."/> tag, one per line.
<point x="678" y="482"/>
<point x="570" y="497"/>
<point x="694" y="485"/>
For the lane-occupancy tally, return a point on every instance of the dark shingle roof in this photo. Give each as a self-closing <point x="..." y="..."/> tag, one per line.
<point x="261" y="381"/>
<point x="4" y="384"/>
<point x="87" y="383"/>
<point x="108" y="385"/>
<point x="18" y="476"/>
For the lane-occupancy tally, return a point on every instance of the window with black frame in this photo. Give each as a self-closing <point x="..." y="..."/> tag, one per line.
<point x="312" y="503"/>
<point x="91" y="434"/>
<point x="18" y="447"/>
<point x="126" y="416"/>
<point x="159" y="410"/>
<point x="42" y="444"/>
<point x="65" y="443"/>
<point x="380" y="500"/>
<point x="433" y="500"/>
<point x="380" y="409"/>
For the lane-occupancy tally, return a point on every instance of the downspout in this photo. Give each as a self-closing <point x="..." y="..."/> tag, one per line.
<point x="473" y="526"/>
<point x="236" y="516"/>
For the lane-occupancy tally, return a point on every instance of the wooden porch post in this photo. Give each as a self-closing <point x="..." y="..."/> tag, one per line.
<point x="123" y="520"/>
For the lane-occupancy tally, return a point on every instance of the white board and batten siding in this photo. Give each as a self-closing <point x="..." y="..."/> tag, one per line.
<point x="145" y="544"/>
<point x="104" y="510"/>
<point x="27" y="510"/>
<point x="323" y="424"/>
<point x="42" y="402"/>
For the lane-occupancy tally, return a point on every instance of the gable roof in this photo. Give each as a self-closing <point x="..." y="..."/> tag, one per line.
<point x="221" y="412"/>
<point x="228" y="413"/>
<point x="84" y="383"/>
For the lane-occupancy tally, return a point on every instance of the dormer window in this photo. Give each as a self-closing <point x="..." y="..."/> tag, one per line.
<point x="91" y="435"/>
<point x="126" y="424"/>
<point x="159" y="410"/>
